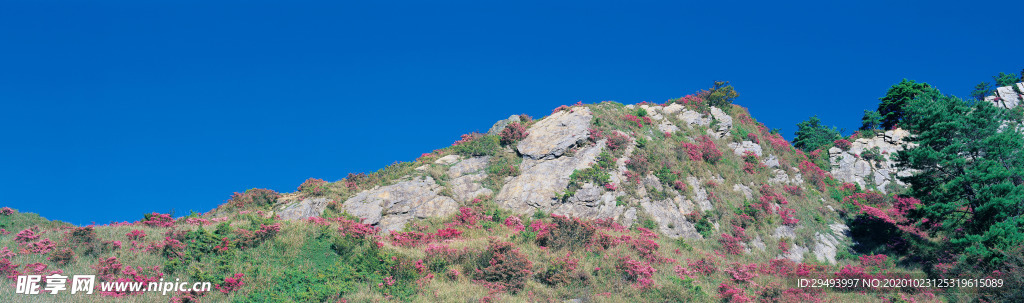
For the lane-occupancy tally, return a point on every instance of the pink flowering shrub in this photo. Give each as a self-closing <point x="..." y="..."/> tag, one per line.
<point x="42" y="247"/>
<point x="563" y="270"/>
<point x="638" y="121"/>
<point x="503" y="267"/>
<point x="466" y="138"/>
<point x="512" y="133"/>
<point x="158" y="220"/>
<point x="679" y="185"/>
<point x="752" y="137"/>
<point x="62" y="256"/>
<point x="438" y="257"/>
<point x="514" y="223"/>
<point x="611" y="186"/>
<point x="730" y="293"/>
<point x="255" y="196"/>
<point x="136" y="235"/>
<point x="793" y="190"/>
<point x="415" y="238"/>
<point x="6" y="211"/>
<point x="733" y="243"/>
<point x="6" y="253"/>
<point x="788" y="217"/>
<point x="570" y="233"/>
<point x="8" y="269"/>
<point x="230" y="284"/>
<point x="877" y="261"/>
<point x="813" y="174"/>
<point x="467" y="217"/>
<point x="313" y="186"/>
<point x="108" y="269"/>
<point x="742" y="273"/>
<point x="640" y="273"/>
<point x="843" y="144"/>
<point x="617" y="140"/>
<point x="560" y="108"/>
<point x="25" y="236"/>
<point x="777" y="142"/>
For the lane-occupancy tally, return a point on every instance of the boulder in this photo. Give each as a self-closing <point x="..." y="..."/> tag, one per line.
<point x="466" y="177"/>
<point x="308" y="207"/>
<point x="391" y="207"/>
<point x="500" y="125"/>
<point x="540" y="181"/>
<point x="724" y="123"/>
<point x="741" y="148"/>
<point x="671" y="220"/>
<point x="550" y="137"/>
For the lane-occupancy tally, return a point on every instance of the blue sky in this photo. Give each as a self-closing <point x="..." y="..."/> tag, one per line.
<point x="109" y="109"/>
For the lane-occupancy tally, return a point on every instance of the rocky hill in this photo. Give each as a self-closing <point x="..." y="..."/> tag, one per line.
<point x="688" y="200"/>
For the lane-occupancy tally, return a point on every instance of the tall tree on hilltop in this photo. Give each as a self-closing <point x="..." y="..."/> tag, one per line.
<point x="891" y="106"/>
<point x="982" y="90"/>
<point x="811" y="135"/>
<point x="970" y="174"/>
<point x="1005" y="79"/>
<point x="870" y="121"/>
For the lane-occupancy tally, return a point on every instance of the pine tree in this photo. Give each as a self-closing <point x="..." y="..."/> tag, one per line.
<point x="970" y="174"/>
<point x="811" y="135"/>
<point x="891" y="106"/>
<point x="981" y="91"/>
<point x="870" y="121"/>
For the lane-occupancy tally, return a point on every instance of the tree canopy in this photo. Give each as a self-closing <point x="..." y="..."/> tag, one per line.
<point x="970" y="174"/>
<point x="891" y="106"/>
<point x="811" y="135"/>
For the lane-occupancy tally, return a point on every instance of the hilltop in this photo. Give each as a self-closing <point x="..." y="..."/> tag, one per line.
<point x="687" y="200"/>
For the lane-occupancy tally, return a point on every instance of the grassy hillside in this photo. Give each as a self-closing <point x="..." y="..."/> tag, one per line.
<point x="487" y="253"/>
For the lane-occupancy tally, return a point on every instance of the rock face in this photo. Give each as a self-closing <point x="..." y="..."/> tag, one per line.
<point x="740" y="148"/>
<point x="500" y="125"/>
<point x="550" y="137"/>
<point x="850" y="165"/>
<point x="390" y="207"/>
<point x="1006" y="96"/>
<point x="670" y="218"/>
<point x="308" y="207"/>
<point x="466" y="177"/>
<point x="724" y="123"/>
<point x="540" y="181"/>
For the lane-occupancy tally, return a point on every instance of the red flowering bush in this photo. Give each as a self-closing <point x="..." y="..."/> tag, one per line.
<point x="25" y="236"/>
<point x="255" y="196"/>
<point x="639" y="121"/>
<point x="62" y="256"/>
<point x="730" y="293"/>
<point x="742" y="273"/>
<point x="230" y="284"/>
<point x="570" y="233"/>
<point x="8" y="269"/>
<point x="788" y="217"/>
<point x="617" y="140"/>
<point x="813" y="174"/>
<point x="467" y="217"/>
<point x="733" y="243"/>
<point x="513" y="133"/>
<point x="313" y="186"/>
<point x="504" y="267"/>
<point x="108" y="269"/>
<point x="562" y="271"/>
<point x="704" y="266"/>
<point x="843" y="144"/>
<point x="514" y="223"/>
<point x="6" y="211"/>
<point x="793" y="190"/>
<point x="560" y="108"/>
<point x="877" y="261"/>
<point x="752" y="137"/>
<point x="777" y="142"/>
<point x="6" y="253"/>
<point x="708" y="150"/>
<point x="640" y="273"/>
<point x="466" y="138"/>
<point x="158" y="220"/>
<point x="42" y="247"/>
<point x="415" y="238"/>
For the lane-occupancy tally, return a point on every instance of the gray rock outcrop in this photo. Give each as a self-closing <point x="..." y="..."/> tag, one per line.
<point x="500" y="125"/>
<point x="391" y="207"/>
<point x="850" y="165"/>
<point x="466" y="177"/>
<point x="308" y="207"/>
<point x="550" y="137"/>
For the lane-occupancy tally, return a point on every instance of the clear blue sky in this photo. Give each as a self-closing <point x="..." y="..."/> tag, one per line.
<point x="109" y="109"/>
